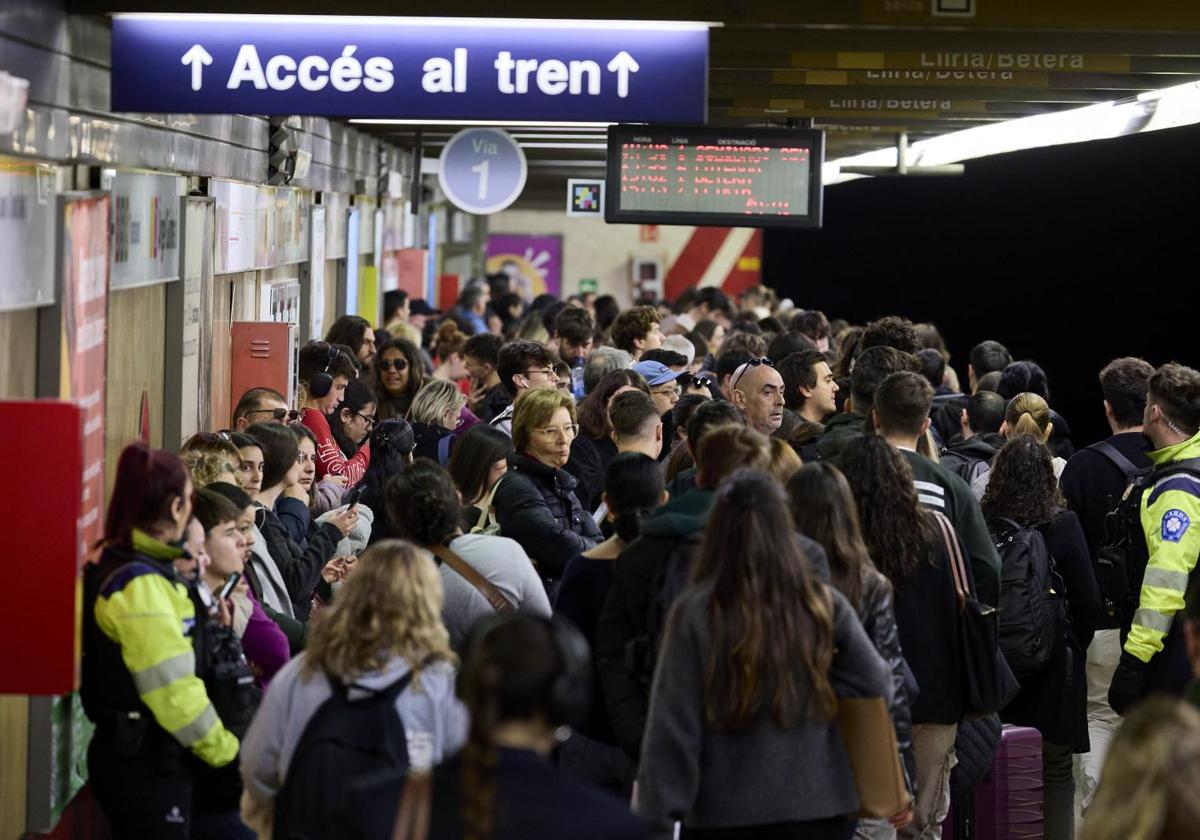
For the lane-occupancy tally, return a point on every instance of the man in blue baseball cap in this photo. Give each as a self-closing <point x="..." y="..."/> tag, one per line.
<point x="663" y="388"/>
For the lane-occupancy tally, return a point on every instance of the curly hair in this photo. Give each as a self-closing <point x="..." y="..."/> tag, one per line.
<point x="891" y="331"/>
<point x="207" y="455"/>
<point x="398" y="405"/>
<point x="899" y="535"/>
<point x="1022" y="486"/>
<point x="633" y="324"/>
<point x="391" y="605"/>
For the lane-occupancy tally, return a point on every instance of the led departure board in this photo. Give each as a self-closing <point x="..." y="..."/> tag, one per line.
<point x="715" y="176"/>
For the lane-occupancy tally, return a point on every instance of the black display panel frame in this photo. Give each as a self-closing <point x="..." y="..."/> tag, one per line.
<point x="733" y="137"/>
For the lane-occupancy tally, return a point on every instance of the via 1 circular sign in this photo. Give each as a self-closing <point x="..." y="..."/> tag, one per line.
<point x="482" y="170"/>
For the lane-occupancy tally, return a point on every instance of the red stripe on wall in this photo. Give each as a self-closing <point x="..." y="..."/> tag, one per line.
<point x="747" y="271"/>
<point x="694" y="259"/>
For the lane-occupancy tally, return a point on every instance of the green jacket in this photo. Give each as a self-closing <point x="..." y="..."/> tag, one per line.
<point x="941" y="490"/>
<point x="1171" y="524"/>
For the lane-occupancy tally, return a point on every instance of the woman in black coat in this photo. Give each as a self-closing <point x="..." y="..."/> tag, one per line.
<point x="1023" y="489"/>
<point x="535" y="502"/>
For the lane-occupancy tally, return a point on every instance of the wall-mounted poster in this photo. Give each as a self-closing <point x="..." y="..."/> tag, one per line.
<point x="534" y="263"/>
<point x="145" y="228"/>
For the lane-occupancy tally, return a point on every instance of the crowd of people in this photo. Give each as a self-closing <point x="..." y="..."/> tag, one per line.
<point x="551" y="568"/>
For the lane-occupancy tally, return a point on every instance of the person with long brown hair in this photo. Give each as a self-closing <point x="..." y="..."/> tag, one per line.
<point x="824" y="510"/>
<point x="740" y="739"/>
<point x="902" y="538"/>
<point x="396" y="377"/>
<point x="593" y="450"/>
<point x="385" y="627"/>
<point x="1023" y="494"/>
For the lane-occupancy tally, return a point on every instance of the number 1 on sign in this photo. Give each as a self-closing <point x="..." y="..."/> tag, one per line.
<point x="482" y="169"/>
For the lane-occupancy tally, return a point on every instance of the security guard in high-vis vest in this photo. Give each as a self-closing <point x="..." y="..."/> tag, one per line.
<point x="1154" y="658"/>
<point x="156" y="727"/>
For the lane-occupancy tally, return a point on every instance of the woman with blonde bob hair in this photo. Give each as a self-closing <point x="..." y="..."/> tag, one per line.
<point x="1148" y="787"/>
<point x="535" y="502"/>
<point x="434" y="417"/>
<point x="383" y="635"/>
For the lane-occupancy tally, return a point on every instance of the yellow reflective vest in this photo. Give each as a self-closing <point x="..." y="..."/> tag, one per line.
<point x="1171" y="523"/>
<point x="151" y="617"/>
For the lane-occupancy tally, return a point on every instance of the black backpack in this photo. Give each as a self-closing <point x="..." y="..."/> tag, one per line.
<point x="668" y="584"/>
<point x="1032" y="598"/>
<point x="1122" y="558"/>
<point x="342" y="742"/>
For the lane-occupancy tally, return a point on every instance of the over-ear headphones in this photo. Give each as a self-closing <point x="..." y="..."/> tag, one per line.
<point x="322" y="383"/>
<point x="570" y="695"/>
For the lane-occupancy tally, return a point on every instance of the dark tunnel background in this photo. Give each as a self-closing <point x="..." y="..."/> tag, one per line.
<point x="1071" y="255"/>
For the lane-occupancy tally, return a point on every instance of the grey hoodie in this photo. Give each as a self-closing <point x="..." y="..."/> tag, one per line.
<point x="435" y="720"/>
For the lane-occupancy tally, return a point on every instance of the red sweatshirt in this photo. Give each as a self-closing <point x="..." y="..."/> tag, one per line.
<point x="330" y="460"/>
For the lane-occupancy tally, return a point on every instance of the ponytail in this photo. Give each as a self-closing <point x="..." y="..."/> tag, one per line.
<point x="1027" y="414"/>
<point x="147" y="482"/>
<point x="628" y="523"/>
<point x="480" y="762"/>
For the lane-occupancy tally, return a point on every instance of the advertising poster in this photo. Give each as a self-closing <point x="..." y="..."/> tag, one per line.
<point x="533" y="262"/>
<point x="316" y="276"/>
<point x="145" y="232"/>
<point x="27" y="225"/>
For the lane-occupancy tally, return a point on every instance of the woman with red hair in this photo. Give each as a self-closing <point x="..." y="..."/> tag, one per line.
<point x="140" y="685"/>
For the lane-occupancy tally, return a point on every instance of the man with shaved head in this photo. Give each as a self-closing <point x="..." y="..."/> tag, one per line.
<point x="756" y="389"/>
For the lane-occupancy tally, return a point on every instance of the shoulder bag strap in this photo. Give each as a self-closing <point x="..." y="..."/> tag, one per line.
<point x="464" y="569"/>
<point x="1118" y="460"/>
<point x="962" y="583"/>
<point x="485" y="513"/>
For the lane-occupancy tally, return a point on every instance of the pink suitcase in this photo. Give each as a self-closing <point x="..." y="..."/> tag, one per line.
<point x="1008" y="802"/>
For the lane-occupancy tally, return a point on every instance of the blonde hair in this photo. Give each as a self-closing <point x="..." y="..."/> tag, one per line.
<point x="533" y="409"/>
<point x="436" y="398"/>
<point x="1028" y="414"/>
<point x="1148" y="786"/>
<point x="784" y="460"/>
<point x="391" y="606"/>
<point x="207" y="455"/>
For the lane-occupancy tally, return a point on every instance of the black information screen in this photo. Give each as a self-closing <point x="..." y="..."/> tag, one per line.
<point x="714" y="176"/>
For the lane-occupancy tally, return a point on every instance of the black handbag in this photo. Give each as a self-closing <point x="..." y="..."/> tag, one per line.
<point x="988" y="682"/>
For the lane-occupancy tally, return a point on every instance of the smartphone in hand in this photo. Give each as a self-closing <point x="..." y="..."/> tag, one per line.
<point x="230" y="584"/>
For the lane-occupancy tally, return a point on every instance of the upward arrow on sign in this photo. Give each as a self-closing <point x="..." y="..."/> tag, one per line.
<point x="623" y="64"/>
<point x="197" y="56"/>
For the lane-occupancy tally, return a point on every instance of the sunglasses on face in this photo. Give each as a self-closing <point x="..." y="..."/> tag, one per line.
<point x="277" y="414"/>
<point x="753" y="363"/>
<point x="388" y="364"/>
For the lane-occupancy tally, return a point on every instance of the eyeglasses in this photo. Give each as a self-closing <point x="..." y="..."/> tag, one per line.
<point x="366" y="418"/>
<point x="667" y="390"/>
<point x="277" y="414"/>
<point x="388" y="364"/>
<point x="543" y="371"/>
<point x="700" y="382"/>
<point x="305" y="458"/>
<point x="570" y="430"/>
<point x="741" y="371"/>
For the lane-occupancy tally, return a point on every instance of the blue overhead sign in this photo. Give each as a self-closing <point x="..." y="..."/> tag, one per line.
<point x="411" y="68"/>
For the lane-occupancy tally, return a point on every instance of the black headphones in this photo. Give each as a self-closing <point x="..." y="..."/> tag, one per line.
<point x="571" y="691"/>
<point x="322" y="383"/>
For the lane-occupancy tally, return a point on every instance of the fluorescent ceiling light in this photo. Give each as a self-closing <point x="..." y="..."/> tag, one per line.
<point x="378" y="20"/>
<point x="500" y="123"/>
<point x="1167" y="108"/>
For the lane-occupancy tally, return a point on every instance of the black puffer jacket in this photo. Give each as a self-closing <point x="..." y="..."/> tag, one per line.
<point x="537" y="507"/>
<point x="299" y="567"/>
<point x="879" y="620"/>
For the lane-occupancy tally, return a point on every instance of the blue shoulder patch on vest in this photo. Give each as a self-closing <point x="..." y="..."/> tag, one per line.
<point x="1185" y="483"/>
<point x="1174" y="525"/>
